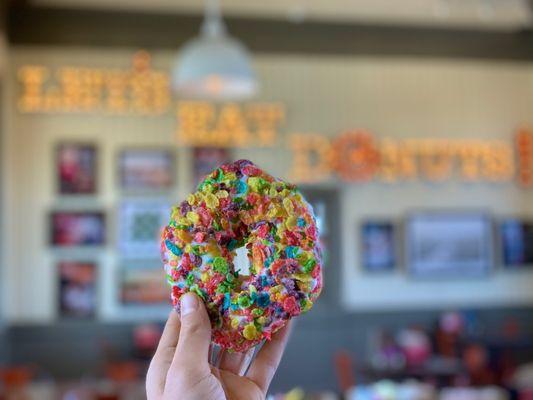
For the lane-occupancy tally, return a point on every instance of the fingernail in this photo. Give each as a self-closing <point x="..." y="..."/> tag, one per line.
<point x="189" y="303"/>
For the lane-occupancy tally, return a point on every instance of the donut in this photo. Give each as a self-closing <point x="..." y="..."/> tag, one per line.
<point x="239" y="205"/>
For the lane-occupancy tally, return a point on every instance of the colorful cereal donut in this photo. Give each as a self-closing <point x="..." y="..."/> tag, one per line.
<point x="239" y="205"/>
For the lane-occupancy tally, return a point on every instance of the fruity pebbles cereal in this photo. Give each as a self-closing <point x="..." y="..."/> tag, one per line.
<point x="239" y="205"/>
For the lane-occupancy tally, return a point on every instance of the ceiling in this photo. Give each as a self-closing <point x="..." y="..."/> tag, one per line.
<point x="482" y="14"/>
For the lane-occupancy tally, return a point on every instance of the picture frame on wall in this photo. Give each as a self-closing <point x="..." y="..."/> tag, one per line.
<point x="77" y="228"/>
<point x="77" y="296"/>
<point x="320" y="211"/>
<point x="516" y="243"/>
<point x="206" y="159"/>
<point x="146" y="169"/>
<point x="143" y="286"/>
<point x="378" y="246"/>
<point x="449" y="244"/>
<point x="76" y="168"/>
<point x="140" y="223"/>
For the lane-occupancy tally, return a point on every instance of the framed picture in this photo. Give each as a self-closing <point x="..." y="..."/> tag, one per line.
<point x="517" y="243"/>
<point x="207" y="159"/>
<point x="146" y="169"/>
<point x="77" y="228"/>
<point x="77" y="289"/>
<point x="378" y="246"/>
<point x="140" y="224"/>
<point x="76" y="168"/>
<point x="319" y="209"/>
<point x="144" y="286"/>
<point x="449" y="244"/>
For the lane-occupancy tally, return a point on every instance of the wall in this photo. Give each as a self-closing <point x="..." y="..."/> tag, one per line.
<point x="392" y="97"/>
<point x="3" y="66"/>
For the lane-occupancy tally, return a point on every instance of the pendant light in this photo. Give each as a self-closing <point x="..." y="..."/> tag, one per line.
<point x="214" y="66"/>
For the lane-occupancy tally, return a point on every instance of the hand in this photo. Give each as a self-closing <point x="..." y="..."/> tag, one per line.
<point x="180" y="368"/>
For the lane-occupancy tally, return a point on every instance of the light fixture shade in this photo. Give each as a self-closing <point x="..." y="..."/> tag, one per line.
<point x="215" y="67"/>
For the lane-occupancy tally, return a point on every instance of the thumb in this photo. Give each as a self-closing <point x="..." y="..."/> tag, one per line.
<point x="195" y="335"/>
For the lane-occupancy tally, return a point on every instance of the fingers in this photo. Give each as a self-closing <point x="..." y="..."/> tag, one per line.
<point x="195" y="337"/>
<point x="169" y="337"/>
<point x="155" y="378"/>
<point x="236" y="363"/>
<point x="266" y="363"/>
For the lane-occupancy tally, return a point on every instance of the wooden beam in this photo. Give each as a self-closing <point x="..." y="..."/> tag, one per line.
<point x="30" y="25"/>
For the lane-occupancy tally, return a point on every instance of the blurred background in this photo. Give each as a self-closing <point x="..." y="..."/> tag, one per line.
<point x="407" y="125"/>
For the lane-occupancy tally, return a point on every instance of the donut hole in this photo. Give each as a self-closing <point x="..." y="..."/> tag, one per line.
<point x="241" y="261"/>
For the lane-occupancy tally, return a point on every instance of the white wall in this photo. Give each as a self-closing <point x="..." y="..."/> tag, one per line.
<point x="392" y="97"/>
<point x="3" y="66"/>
